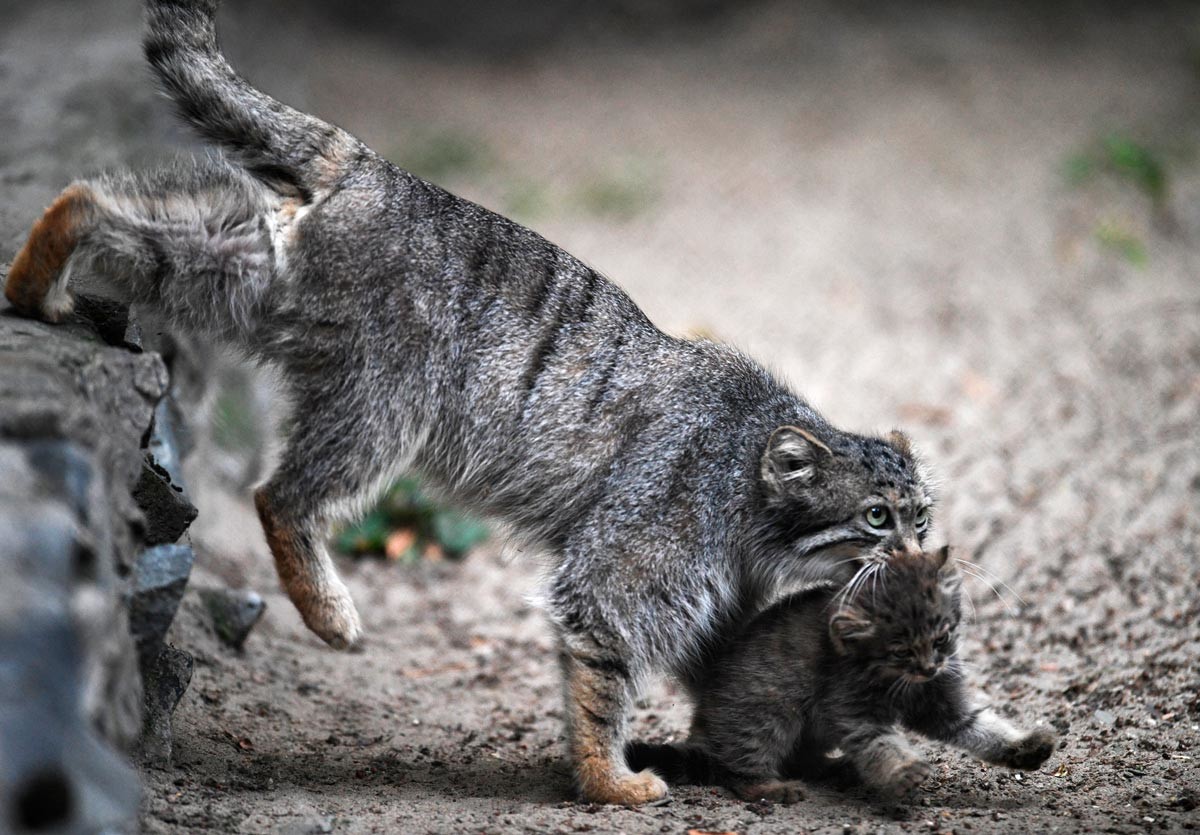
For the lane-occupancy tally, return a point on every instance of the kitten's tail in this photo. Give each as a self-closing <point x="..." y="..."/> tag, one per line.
<point x="684" y="763"/>
<point x="292" y="152"/>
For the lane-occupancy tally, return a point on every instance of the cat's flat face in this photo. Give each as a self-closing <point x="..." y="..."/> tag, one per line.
<point x="903" y="624"/>
<point x="860" y="494"/>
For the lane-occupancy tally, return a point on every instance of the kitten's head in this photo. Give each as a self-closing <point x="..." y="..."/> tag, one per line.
<point x="902" y="619"/>
<point x="844" y="494"/>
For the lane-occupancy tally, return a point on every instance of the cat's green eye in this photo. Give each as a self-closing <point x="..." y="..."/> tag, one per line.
<point x="877" y="516"/>
<point x="921" y="519"/>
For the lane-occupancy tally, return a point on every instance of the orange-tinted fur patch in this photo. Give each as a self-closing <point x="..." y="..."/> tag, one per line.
<point x="51" y="242"/>
<point x="281" y="541"/>
<point x="600" y="779"/>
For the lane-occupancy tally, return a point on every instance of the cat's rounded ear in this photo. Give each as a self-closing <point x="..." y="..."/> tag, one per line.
<point x="847" y="626"/>
<point x="791" y="460"/>
<point x="900" y="442"/>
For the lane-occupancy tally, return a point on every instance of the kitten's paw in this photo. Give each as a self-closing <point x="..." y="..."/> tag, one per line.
<point x="907" y="778"/>
<point x="777" y="791"/>
<point x="1031" y="751"/>
<point x="625" y="790"/>
<point x="333" y="618"/>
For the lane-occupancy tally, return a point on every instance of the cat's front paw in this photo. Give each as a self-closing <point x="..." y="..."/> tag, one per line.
<point x="907" y="778"/>
<point x="1031" y="750"/>
<point x="623" y="790"/>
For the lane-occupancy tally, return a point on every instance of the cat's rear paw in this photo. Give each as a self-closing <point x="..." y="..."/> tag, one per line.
<point x="334" y="619"/>
<point x="908" y="777"/>
<point x="1031" y="751"/>
<point x="777" y="791"/>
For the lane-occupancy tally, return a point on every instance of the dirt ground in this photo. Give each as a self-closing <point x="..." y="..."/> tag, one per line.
<point x="874" y="203"/>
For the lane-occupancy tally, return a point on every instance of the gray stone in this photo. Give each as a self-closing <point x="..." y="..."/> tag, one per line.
<point x="160" y="576"/>
<point x="164" y="505"/>
<point x="234" y="613"/>
<point x="164" y="443"/>
<point x="57" y="774"/>
<point x="165" y="678"/>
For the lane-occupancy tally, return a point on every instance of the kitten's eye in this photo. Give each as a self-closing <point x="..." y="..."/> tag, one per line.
<point x="942" y="641"/>
<point x="921" y="520"/>
<point x="877" y="516"/>
<point x="901" y="654"/>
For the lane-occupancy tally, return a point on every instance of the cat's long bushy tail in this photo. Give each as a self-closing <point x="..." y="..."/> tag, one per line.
<point x="293" y="152"/>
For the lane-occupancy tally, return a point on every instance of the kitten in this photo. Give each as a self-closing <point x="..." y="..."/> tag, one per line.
<point x="831" y="668"/>
<point x="676" y="484"/>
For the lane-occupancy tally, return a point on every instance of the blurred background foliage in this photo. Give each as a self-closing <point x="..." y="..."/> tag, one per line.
<point x="407" y="525"/>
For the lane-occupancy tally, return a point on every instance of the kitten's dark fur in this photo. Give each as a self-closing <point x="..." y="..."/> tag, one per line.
<point x="676" y="484"/>
<point x="829" y="669"/>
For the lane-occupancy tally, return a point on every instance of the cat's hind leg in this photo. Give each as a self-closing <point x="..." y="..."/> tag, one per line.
<point x="336" y="458"/>
<point x="37" y="278"/>
<point x="194" y="240"/>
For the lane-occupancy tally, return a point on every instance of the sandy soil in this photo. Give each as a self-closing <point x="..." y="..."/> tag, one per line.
<point x="872" y="203"/>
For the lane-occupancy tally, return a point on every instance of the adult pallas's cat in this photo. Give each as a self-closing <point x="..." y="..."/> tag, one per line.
<point x="675" y="483"/>
<point x="843" y="668"/>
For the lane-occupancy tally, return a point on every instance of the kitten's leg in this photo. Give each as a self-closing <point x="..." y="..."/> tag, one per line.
<point x="599" y="696"/>
<point x="954" y="715"/>
<point x="777" y="791"/>
<point x="810" y="760"/>
<point x="884" y="759"/>
<point x="36" y="283"/>
<point x="751" y="740"/>
<point x="989" y="737"/>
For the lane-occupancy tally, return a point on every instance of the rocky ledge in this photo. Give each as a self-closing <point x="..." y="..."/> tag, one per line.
<point x="93" y="563"/>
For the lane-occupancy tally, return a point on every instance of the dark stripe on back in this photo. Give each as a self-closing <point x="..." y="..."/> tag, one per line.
<point x="601" y="384"/>
<point x="573" y="309"/>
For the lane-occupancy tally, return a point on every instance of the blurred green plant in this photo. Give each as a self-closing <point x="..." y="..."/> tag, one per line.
<point x="1123" y="242"/>
<point x="526" y="201"/>
<point x="407" y="524"/>
<point x="443" y="155"/>
<point x="621" y="193"/>
<point x="1125" y="159"/>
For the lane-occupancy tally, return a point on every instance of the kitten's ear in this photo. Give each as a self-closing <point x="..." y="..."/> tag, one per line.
<point x="791" y="460"/>
<point x="949" y="577"/>
<point x="848" y="625"/>
<point x="942" y="558"/>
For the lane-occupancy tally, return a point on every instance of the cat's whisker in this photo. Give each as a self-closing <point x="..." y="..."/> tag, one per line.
<point x="971" y="573"/>
<point x="851" y="588"/>
<point x="992" y="576"/>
